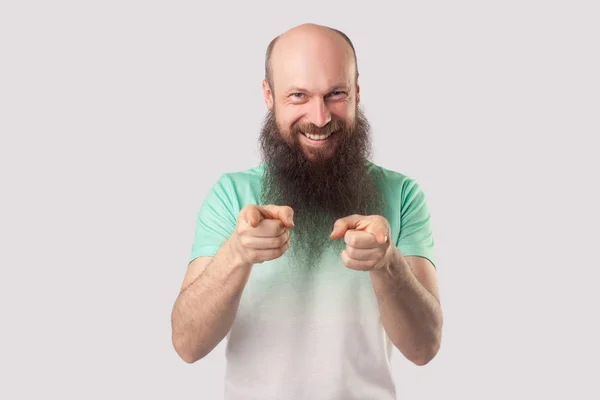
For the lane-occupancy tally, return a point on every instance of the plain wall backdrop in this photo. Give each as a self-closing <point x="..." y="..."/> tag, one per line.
<point x="116" y="117"/>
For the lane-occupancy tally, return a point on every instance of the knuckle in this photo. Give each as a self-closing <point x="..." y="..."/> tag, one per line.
<point x="280" y="251"/>
<point x="247" y="208"/>
<point x="283" y="239"/>
<point x="350" y="251"/>
<point x="274" y="243"/>
<point x="351" y="240"/>
<point x="345" y="256"/>
<point x="245" y="240"/>
<point x="277" y="230"/>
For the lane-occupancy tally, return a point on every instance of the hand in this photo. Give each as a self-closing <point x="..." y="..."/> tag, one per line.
<point x="368" y="246"/>
<point x="262" y="232"/>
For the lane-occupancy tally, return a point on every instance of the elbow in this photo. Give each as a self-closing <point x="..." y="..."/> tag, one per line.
<point x="428" y="349"/>
<point x="426" y="354"/>
<point x="185" y="352"/>
<point x="188" y="357"/>
<point x="422" y="359"/>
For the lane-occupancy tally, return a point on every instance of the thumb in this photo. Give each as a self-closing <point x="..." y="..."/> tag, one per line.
<point x="290" y="218"/>
<point x="343" y="224"/>
<point x="338" y="232"/>
<point x="286" y="215"/>
<point x="253" y="216"/>
<point x="380" y="230"/>
<point x="283" y="213"/>
<point x="381" y="236"/>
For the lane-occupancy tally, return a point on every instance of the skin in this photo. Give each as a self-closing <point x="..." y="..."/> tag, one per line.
<point x="406" y="287"/>
<point x="314" y="78"/>
<point x="205" y="309"/>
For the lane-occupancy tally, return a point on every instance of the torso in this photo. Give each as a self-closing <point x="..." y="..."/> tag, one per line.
<point x="306" y="333"/>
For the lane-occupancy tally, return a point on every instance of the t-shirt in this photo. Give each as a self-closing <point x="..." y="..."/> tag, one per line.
<point x="310" y="333"/>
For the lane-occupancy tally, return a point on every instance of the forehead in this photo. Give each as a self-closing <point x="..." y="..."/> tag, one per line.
<point x="313" y="63"/>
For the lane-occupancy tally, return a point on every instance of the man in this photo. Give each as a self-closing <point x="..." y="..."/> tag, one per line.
<point x="317" y="261"/>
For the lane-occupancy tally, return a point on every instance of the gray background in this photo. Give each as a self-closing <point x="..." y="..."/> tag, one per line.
<point x="117" y="116"/>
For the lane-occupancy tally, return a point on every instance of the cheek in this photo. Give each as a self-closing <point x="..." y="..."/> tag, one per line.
<point x="344" y="111"/>
<point x="287" y="118"/>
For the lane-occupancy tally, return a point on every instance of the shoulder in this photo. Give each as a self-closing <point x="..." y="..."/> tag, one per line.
<point x="240" y="187"/>
<point x="245" y="175"/>
<point x="231" y="180"/>
<point x="394" y="183"/>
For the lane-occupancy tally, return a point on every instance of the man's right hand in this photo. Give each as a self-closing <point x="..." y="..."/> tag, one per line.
<point x="263" y="232"/>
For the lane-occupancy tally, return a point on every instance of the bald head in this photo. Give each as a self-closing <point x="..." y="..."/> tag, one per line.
<point x="309" y="42"/>
<point x="312" y="85"/>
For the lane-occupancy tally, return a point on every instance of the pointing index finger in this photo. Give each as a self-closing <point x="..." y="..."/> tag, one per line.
<point x="380" y="229"/>
<point x="381" y="233"/>
<point x="343" y="224"/>
<point x="283" y="213"/>
<point x="253" y="216"/>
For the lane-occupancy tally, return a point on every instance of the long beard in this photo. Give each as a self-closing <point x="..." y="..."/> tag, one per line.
<point x="322" y="189"/>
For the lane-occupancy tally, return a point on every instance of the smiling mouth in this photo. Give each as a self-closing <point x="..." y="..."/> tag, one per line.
<point x="317" y="137"/>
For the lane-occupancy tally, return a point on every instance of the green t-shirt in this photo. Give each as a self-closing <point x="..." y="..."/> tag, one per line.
<point x="407" y="211"/>
<point x="312" y="333"/>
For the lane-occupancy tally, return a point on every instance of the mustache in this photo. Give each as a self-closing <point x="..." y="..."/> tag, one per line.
<point x="332" y="126"/>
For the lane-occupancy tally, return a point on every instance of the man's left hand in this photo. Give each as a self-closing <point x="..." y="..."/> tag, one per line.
<point x="367" y="238"/>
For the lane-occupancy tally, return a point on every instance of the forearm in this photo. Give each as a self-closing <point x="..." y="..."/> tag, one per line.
<point x="204" y="312"/>
<point x="411" y="315"/>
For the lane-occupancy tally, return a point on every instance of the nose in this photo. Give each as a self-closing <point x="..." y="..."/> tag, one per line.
<point x="319" y="113"/>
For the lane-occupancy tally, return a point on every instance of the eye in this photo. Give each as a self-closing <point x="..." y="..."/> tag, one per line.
<point x="297" y="95"/>
<point x="337" y="93"/>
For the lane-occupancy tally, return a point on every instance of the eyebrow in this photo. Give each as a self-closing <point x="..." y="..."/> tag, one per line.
<point x="295" y="89"/>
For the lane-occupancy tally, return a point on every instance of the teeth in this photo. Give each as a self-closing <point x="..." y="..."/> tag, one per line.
<point x="317" y="137"/>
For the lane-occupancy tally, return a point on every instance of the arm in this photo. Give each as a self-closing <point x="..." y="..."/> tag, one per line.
<point x="205" y="308"/>
<point x="207" y="304"/>
<point x="406" y="287"/>
<point x="407" y="294"/>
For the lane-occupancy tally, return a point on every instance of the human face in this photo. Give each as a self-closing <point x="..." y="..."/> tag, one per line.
<point x="310" y="91"/>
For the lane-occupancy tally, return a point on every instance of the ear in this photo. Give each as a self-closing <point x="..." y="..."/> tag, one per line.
<point x="357" y="93"/>
<point x="268" y="94"/>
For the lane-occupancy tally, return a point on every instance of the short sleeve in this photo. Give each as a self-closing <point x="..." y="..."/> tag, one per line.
<point x="415" y="237"/>
<point x="216" y="220"/>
